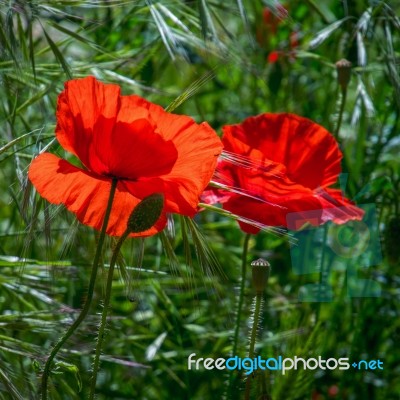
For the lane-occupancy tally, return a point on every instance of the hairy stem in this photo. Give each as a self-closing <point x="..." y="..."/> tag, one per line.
<point x="104" y="314"/>
<point x="89" y="297"/>
<point x="341" y="111"/>
<point x="256" y="317"/>
<point x="239" y="307"/>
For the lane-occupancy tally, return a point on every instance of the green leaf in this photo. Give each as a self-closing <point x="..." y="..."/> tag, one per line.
<point x="58" y="55"/>
<point x="325" y="33"/>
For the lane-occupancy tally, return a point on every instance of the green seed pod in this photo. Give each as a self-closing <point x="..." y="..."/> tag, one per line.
<point x="146" y="213"/>
<point x="343" y="68"/>
<point x="260" y="273"/>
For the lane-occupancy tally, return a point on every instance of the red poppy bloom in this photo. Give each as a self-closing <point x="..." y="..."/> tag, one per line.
<point x="273" y="57"/>
<point x="129" y="139"/>
<point x="287" y="165"/>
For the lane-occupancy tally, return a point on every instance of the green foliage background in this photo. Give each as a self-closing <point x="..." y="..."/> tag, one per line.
<point x="207" y="59"/>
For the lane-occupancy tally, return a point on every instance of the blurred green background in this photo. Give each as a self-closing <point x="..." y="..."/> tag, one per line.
<point x="219" y="62"/>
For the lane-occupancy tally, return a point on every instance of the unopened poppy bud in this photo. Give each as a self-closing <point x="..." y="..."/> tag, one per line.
<point x="343" y="68"/>
<point x="260" y="273"/>
<point x="146" y="213"/>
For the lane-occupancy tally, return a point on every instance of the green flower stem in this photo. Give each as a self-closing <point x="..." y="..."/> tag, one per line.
<point x="323" y="276"/>
<point x="341" y="111"/>
<point x="256" y="317"/>
<point x="345" y="160"/>
<point x="240" y="306"/>
<point x="104" y="314"/>
<point x="89" y="296"/>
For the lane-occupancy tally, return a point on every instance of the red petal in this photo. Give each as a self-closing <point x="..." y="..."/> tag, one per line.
<point x="198" y="148"/>
<point x="179" y="197"/>
<point x="85" y="195"/>
<point x="308" y="151"/>
<point x="138" y="152"/>
<point x="261" y="179"/>
<point x="337" y="208"/>
<point x="86" y="112"/>
<point x="214" y="195"/>
<point x="269" y="214"/>
<point x="136" y="149"/>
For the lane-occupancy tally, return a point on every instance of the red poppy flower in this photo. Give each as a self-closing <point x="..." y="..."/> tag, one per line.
<point x="286" y="165"/>
<point x="273" y="57"/>
<point x="132" y="140"/>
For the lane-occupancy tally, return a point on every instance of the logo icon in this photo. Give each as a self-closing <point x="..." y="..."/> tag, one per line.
<point x="321" y="250"/>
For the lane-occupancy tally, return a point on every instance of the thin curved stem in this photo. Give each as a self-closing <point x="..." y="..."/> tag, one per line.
<point x="240" y="305"/>
<point x="89" y="297"/>
<point x="104" y="314"/>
